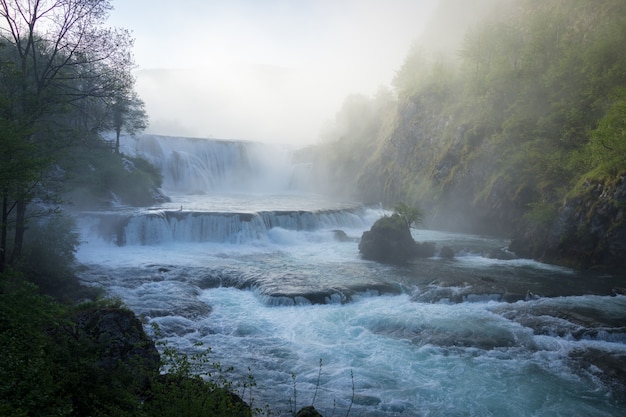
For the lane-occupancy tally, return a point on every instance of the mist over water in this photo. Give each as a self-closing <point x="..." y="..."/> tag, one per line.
<point x="251" y="267"/>
<point x="201" y="166"/>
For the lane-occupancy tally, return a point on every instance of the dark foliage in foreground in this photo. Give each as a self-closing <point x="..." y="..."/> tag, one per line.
<point x="55" y="364"/>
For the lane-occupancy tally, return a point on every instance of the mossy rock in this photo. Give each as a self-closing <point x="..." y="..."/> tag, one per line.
<point x="388" y="241"/>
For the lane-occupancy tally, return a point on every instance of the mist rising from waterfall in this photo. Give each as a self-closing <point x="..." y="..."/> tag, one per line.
<point x="206" y="166"/>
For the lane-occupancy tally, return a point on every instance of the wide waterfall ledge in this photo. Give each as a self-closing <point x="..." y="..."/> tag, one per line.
<point x="159" y="226"/>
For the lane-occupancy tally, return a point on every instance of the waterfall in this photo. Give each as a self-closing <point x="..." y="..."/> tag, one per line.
<point x="245" y="265"/>
<point x="224" y="192"/>
<point x="202" y="166"/>
<point x="156" y="227"/>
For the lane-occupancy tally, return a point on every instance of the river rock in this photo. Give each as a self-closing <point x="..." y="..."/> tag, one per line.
<point x="501" y="254"/>
<point x="340" y="236"/>
<point x="388" y="241"/>
<point x="609" y="367"/>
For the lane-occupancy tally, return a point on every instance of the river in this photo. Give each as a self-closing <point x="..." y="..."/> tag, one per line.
<point x="263" y="280"/>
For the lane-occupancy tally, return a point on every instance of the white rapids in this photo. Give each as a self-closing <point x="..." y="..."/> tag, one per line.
<point x="261" y="279"/>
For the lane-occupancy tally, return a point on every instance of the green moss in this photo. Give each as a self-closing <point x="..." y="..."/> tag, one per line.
<point x="599" y="176"/>
<point x="542" y="214"/>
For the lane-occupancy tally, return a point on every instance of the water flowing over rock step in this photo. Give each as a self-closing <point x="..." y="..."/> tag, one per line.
<point x="475" y="278"/>
<point x="281" y="292"/>
<point x="157" y="226"/>
<point x="585" y="333"/>
<point x="513" y="323"/>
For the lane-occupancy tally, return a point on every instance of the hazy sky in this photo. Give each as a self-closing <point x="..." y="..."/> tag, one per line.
<point x="269" y="70"/>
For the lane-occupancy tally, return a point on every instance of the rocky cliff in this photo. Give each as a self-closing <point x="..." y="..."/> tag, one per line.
<point x="588" y="231"/>
<point x="448" y="167"/>
<point x="519" y="133"/>
<point x="460" y="177"/>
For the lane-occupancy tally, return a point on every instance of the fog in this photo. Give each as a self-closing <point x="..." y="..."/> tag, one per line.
<point x="274" y="71"/>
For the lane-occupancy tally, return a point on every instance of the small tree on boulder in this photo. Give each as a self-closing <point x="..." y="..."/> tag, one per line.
<point x="412" y="216"/>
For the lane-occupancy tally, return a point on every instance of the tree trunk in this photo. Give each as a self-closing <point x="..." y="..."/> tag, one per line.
<point x="20" y="229"/>
<point x="4" y="230"/>
<point x="117" y="140"/>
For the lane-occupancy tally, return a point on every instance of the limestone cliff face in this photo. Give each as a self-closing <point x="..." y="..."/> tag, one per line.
<point x="589" y="230"/>
<point x="499" y="135"/>
<point x="457" y="174"/>
<point x="434" y="160"/>
<point x="411" y="143"/>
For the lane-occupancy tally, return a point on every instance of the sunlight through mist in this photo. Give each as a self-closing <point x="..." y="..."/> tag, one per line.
<point x="274" y="71"/>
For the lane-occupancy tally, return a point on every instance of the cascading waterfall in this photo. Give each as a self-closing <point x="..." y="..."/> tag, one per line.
<point x="156" y="227"/>
<point x="221" y="183"/>
<point x="200" y="166"/>
<point x="247" y="264"/>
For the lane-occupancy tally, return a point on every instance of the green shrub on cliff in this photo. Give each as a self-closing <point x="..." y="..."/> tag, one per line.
<point x="48" y="256"/>
<point x="191" y="385"/>
<point x="607" y="146"/>
<point x="524" y="115"/>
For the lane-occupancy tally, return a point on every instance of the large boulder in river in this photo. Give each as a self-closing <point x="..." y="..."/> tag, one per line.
<point x="388" y="241"/>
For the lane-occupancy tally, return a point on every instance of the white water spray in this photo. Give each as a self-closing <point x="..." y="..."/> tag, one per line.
<point x="261" y="279"/>
<point x="203" y="166"/>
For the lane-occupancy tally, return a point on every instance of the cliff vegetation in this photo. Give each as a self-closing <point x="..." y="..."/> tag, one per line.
<point x="519" y="129"/>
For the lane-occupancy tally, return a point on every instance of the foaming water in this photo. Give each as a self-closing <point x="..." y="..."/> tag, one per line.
<point x="403" y="358"/>
<point x="436" y="337"/>
<point x="270" y="278"/>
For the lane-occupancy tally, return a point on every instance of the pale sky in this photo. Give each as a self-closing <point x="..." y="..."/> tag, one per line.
<point x="267" y="70"/>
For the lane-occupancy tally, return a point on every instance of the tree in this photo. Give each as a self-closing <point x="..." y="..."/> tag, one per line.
<point x="128" y="114"/>
<point x="607" y="147"/>
<point x="411" y="216"/>
<point x="56" y="56"/>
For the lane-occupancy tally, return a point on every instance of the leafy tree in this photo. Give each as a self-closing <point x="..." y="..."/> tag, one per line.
<point x="49" y="248"/>
<point x="411" y="216"/>
<point x="57" y="56"/>
<point x="128" y="115"/>
<point x="533" y="106"/>
<point x="411" y="76"/>
<point x="608" y="140"/>
<point x="97" y="173"/>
